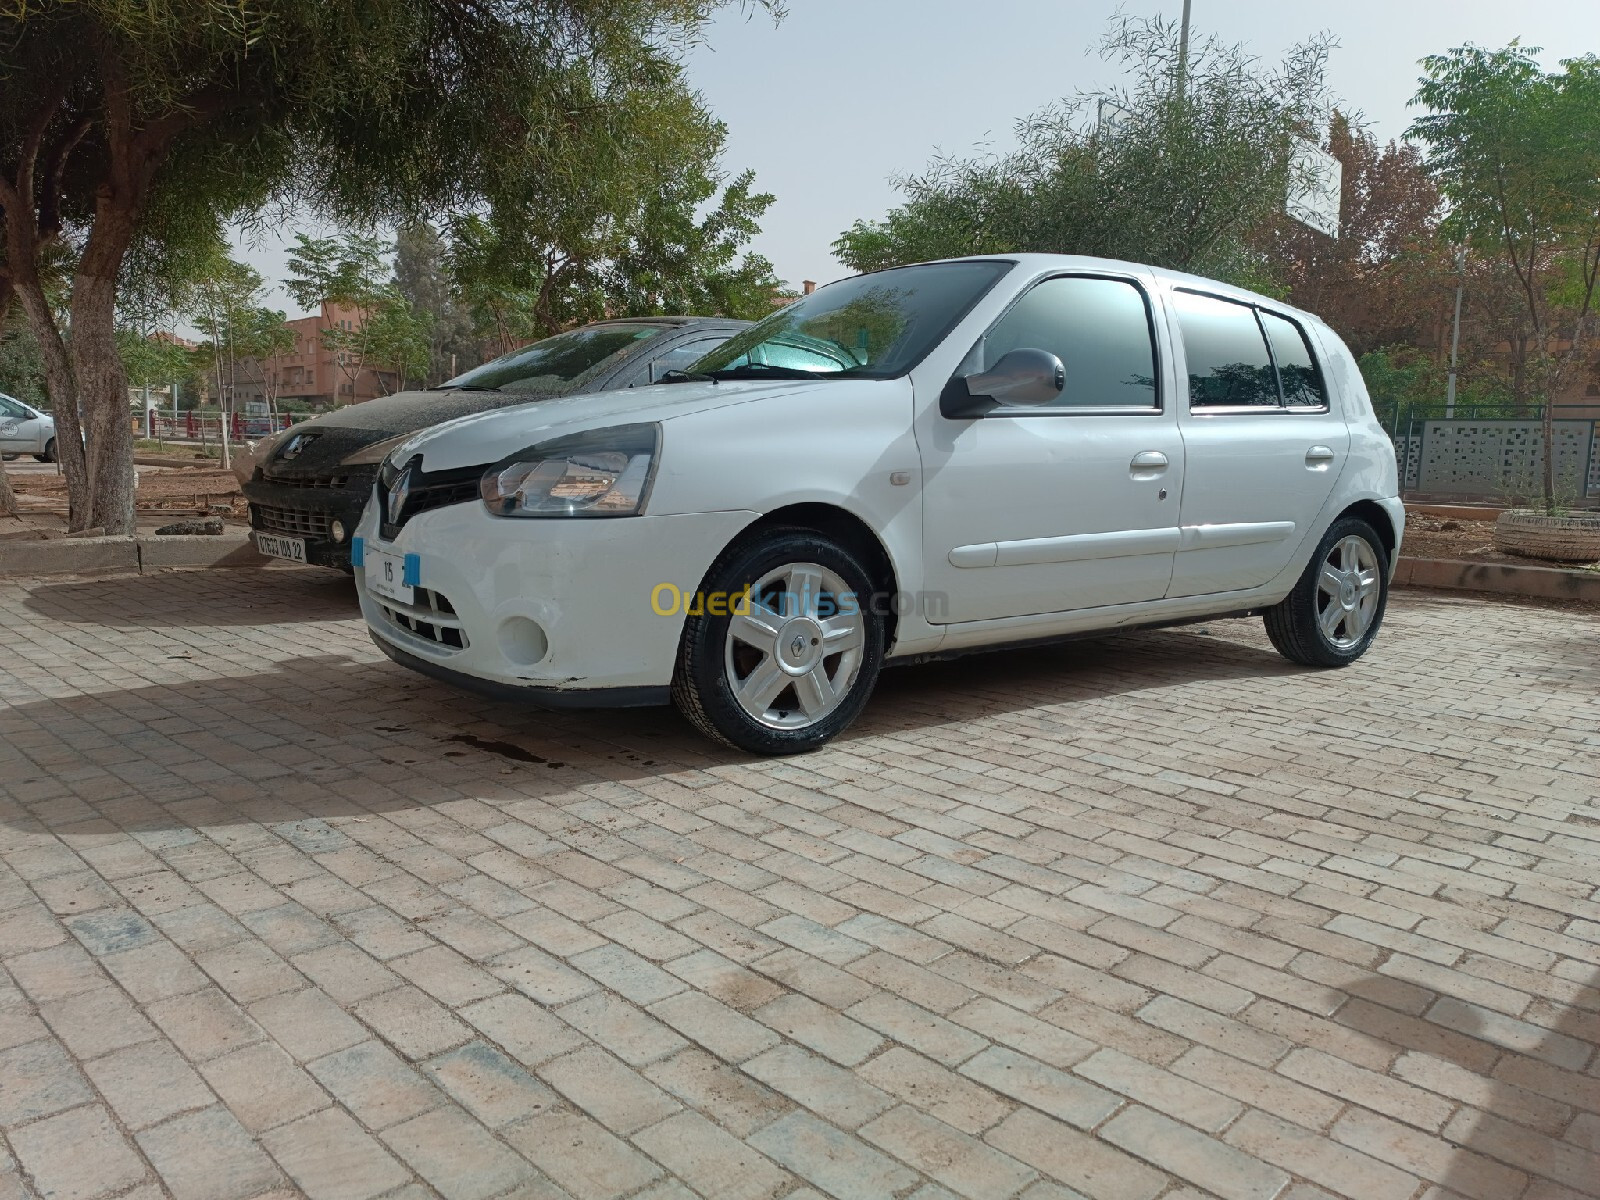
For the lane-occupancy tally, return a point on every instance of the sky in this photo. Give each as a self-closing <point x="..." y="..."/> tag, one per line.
<point x="828" y="106"/>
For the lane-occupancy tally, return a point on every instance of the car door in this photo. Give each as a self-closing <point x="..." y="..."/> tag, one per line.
<point x="1043" y="509"/>
<point x="19" y="428"/>
<point x="1264" y="449"/>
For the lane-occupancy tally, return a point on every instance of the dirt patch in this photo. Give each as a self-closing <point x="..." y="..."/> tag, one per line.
<point x="1445" y="537"/>
<point x="163" y="494"/>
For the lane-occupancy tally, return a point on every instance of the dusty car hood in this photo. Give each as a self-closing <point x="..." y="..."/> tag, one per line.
<point x="405" y="412"/>
<point x="487" y="437"/>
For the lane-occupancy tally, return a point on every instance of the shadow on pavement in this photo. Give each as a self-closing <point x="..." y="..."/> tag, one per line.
<point x="171" y="600"/>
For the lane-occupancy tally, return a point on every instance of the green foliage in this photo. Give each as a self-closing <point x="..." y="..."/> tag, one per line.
<point x="21" y="368"/>
<point x="153" y="361"/>
<point x="421" y="275"/>
<point x="1176" y="176"/>
<point x="1407" y="383"/>
<point x="384" y="335"/>
<point x="1517" y="153"/>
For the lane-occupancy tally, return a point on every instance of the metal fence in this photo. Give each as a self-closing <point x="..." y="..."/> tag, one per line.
<point x="1496" y="457"/>
<point x="196" y="427"/>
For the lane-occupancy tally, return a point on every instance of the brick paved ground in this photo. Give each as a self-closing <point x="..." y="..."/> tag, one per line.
<point x="1154" y="916"/>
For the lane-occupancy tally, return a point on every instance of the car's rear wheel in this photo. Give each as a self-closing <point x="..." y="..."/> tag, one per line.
<point x="1334" y="612"/>
<point x="9" y="457"/>
<point x="782" y="649"/>
<point x="49" y="454"/>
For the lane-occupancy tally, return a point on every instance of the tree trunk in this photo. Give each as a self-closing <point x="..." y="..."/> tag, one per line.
<point x="102" y="381"/>
<point x="8" y="500"/>
<point x="62" y="386"/>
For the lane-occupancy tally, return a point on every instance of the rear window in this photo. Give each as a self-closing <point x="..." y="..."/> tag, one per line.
<point x="1241" y="356"/>
<point x="560" y="363"/>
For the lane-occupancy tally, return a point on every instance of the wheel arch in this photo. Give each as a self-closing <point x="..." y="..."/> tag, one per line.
<point x="850" y="531"/>
<point x="1377" y="516"/>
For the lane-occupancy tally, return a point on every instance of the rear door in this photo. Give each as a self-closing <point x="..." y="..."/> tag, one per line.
<point x="1263" y="448"/>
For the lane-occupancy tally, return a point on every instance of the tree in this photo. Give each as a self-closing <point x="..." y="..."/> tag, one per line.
<point x="124" y="124"/>
<point x="422" y="277"/>
<point x="1180" y="176"/>
<point x="384" y="335"/>
<point x="649" y="225"/>
<point x="1517" y="153"/>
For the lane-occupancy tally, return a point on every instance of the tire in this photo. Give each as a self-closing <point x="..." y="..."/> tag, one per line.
<point x="49" y="454"/>
<point x="9" y="457"/>
<point x="800" y="586"/>
<point x="1316" y="625"/>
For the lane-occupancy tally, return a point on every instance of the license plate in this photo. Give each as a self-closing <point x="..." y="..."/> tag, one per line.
<point x="293" y="549"/>
<point x="386" y="574"/>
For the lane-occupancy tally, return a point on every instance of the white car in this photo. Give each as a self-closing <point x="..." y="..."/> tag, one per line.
<point x="26" y="430"/>
<point x="927" y="460"/>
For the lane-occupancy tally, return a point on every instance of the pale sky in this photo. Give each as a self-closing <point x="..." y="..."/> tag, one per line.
<point x="845" y="94"/>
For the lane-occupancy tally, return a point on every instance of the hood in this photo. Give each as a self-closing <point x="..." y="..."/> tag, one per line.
<point x="487" y="437"/>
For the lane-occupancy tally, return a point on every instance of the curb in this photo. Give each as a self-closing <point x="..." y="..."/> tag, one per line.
<point x="1457" y="512"/>
<point x="1542" y="583"/>
<point x="108" y="555"/>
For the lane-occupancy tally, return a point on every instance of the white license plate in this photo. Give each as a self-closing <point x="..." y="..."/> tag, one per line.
<point x="294" y="549"/>
<point x="386" y="574"/>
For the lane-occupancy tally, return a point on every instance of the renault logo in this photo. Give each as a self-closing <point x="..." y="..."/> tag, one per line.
<point x="293" y="447"/>
<point x="398" y="491"/>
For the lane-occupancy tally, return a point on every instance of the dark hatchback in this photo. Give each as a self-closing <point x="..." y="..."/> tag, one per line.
<point x="307" y="485"/>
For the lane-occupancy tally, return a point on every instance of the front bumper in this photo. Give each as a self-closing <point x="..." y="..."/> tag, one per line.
<point x="307" y="512"/>
<point x="563" y="613"/>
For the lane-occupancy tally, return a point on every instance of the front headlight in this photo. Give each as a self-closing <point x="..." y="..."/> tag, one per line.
<point x="374" y="453"/>
<point x="598" y="473"/>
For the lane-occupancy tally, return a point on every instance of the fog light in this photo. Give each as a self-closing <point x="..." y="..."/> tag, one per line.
<point x="336" y="528"/>
<point x="522" y="641"/>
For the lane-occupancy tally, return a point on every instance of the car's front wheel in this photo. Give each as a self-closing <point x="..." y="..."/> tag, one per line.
<point x="49" y="454"/>
<point x="783" y="646"/>
<point x="1335" y="610"/>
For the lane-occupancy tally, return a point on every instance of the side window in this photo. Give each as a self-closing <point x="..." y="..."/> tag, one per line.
<point x="1297" y="369"/>
<point x="1098" y="328"/>
<point x="10" y="408"/>
<point x="680" y="357"/>
<point x="1228" y="362"/>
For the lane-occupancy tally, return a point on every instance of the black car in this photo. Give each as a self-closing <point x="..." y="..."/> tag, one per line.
<point x="308" y="484"/>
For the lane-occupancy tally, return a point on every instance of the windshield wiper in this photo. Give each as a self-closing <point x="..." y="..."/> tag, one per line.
<point x="462" y="387"/>
<point x="766" y="370"/>
<point x="676" y="376"/>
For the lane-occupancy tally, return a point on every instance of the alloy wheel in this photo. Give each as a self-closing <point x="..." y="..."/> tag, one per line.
<point x="1349" y="588"/>
<point x="794" y="645"/>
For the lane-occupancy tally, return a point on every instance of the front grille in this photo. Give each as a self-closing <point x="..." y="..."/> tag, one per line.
<point x="304" y="481"/>
<point x="428" y="490"/>
<point x="432" y="617"/>
<point x="296" y="522"/>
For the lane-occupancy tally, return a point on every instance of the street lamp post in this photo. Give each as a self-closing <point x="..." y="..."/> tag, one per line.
<point x="1455" y="335"/>
<point x="1183" y="50"/>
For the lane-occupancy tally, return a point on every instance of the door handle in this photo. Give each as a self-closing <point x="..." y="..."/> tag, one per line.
<point x="1148" y="462"/>
<point x="1318" y="458"/>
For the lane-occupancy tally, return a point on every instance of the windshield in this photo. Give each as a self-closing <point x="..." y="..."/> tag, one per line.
<point x="558" y="364"/>
<point x="872" y="326"/>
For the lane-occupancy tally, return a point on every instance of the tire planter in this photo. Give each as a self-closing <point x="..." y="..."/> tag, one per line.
<point x="1574" y="539"/>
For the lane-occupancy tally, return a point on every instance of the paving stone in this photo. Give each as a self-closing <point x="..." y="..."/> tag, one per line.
<point x="455" y="1154"/>
<point x="263" y="1086"/>
<point x="148" y="1083"/>
<point x="207" y="1155"/>
<point x="489" y="1085"/>
<point x="204" y="1024"/>
<point x="525" y="1030"/>
<point x="838" y="1163"/>
<point x="307" y="1024"/>
<point x="828" y="1033"/>
<point x="375" y="1084"/>
<point x="934" y="1090"/>
<point x="40" y="1079"/>
<point x="77" y="1154"/>
<point x="412" y="1022"/>
<point x="92" y="1023"/>
<point x="330" y="1157"/>
<point x="715" y="1164"/>
<point x="611" y="1092"/>
<point x="841" y="1096"/>
<point x="1215" y="1166"/>
<point x="581" y="1156"/>
<point x="1042" y="1086"/>
<point x="735" y="1101"/>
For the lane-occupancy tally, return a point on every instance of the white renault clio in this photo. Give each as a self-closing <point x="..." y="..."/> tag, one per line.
<point x="926" y="460"/>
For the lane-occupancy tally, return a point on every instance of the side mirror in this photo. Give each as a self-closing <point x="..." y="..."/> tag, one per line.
<point x="1021" y="377"/>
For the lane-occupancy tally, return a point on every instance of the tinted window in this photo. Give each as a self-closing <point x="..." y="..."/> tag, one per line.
<point x="871" y="326"/>
<point x="561" y="363"/>
<point x="10" y="408"/>
<point x="1227" y="357"/>
<point x="1297" y="369"/>
<point x="1098" y="328"/>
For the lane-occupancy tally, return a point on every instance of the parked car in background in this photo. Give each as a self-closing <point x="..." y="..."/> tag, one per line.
<point x="923" y="461"/>
<point x="308" y="484"/>
<point x="26" y="430"/>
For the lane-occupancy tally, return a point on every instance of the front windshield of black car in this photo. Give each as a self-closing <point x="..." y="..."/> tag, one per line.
<point x="868" y="327"/>
<point x="560" y="363"/>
